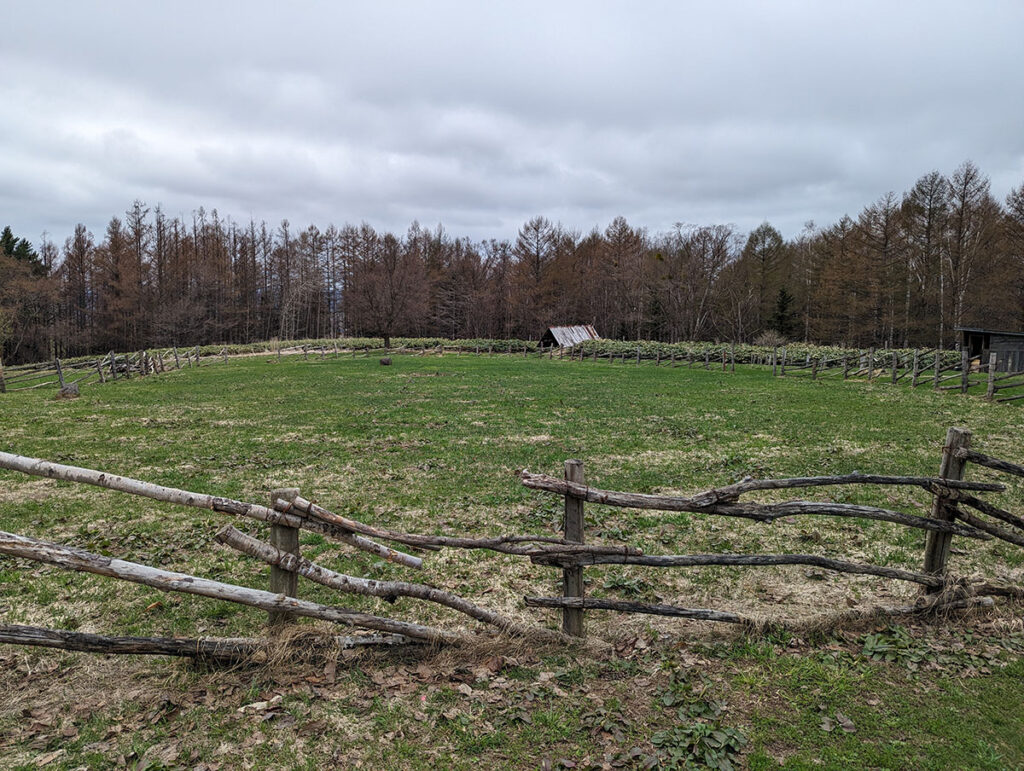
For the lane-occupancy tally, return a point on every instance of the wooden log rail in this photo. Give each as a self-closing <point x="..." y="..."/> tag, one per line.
<point x="990" y="462"/>
<point x="522" y="545"/>
<point x="42" y="468"/>
<point x="714" y="502"/>
<point x="229" y="650"/>
<point x="388" y="590"/>
<point x="743" y="560"/>
<point x="69" y="558"/>
<point x="941" y="604"/>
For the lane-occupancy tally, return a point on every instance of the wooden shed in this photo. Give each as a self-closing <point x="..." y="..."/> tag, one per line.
<point x="1008" y="347"/>
<point x="563" y="337"/>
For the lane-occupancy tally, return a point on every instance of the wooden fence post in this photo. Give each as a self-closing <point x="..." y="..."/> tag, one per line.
<point x="814" y="369"/>
<point x="965" y="371"/>
<point x="287" y="540"/>
<point x="775" y="360"/>
<point x="938" y="369"/>
<point x="913" y="377"/>
<point x="572" y="578"/>
<point x="846" y="366"/>
<point x="895" y="366"/>
<point x="732" y="357"/>
<point x="113" y="366"/>
<point x="99" y="369"/>
<point x="936" y="551"/>
<point x="782" y="367"/>
<point x="60" y="372"/>
<point x="990" y="392"/>
<point x="707" y="359"/>
<point x="224" y="353"/>
<point x="871" y="365"/>
<point x="638" y="356"/>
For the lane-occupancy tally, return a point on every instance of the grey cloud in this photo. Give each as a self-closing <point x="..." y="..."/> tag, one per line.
<point x="480" y="115"/>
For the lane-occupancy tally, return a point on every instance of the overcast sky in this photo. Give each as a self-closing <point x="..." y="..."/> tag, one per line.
<point x="480" y="115"/>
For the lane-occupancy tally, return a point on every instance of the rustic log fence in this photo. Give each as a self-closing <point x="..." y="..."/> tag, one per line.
<point x="957" y="510"/>
<point x="942" y="370"/>
<point x="953" y="499"/>
<point x="287" y="515"/>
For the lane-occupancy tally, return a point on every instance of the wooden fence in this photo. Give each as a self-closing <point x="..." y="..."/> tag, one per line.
<point x="59" y="373"/>
<point x="113" y="366"/>
<point x="942" y="370"/>
<point x="957" y="510"/>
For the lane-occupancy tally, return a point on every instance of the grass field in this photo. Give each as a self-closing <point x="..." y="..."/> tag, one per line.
<point x="432" y="444"/>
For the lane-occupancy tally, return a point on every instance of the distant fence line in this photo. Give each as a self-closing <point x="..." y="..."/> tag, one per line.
<point x="942" y="370"/>
<point x="956" y="510"/>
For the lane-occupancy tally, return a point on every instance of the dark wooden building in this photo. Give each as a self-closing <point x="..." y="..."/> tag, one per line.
<point x="564" y="337"/>
<point x="1008" y="347"/>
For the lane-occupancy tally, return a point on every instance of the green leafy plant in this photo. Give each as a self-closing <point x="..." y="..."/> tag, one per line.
<point x="699" y="745"/>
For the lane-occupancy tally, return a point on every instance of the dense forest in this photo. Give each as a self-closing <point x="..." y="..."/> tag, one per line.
<point x="906" y="271"/>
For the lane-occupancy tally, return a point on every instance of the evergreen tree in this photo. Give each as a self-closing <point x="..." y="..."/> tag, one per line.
<point x="782" y="316"/>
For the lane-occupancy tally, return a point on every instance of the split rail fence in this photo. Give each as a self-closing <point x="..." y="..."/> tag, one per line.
<point x="942" y="370"/>
<point x="957" y="510"/>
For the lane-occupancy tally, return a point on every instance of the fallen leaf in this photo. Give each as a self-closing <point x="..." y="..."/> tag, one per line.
<point x="845" y="723"/>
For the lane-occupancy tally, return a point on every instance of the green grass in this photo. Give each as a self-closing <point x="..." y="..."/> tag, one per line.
<point x="432" y="444"/>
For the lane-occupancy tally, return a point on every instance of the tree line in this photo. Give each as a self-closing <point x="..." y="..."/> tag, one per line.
<point x="905" y="271"/>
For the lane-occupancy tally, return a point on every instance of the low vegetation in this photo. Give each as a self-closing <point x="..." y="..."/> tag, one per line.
<point x="432" y="444"/>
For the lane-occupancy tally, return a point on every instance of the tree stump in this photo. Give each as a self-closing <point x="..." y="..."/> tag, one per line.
<point x="386" y="361"/>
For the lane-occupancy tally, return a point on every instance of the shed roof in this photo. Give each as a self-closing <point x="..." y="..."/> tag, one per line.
<point x="979" y="330"/>
<point x="572" y="335"/>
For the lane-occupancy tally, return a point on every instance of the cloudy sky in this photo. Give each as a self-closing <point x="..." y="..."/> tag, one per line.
<point x="480" y="115"/>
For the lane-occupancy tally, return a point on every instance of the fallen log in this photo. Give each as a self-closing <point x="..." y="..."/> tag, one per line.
<point x="75" y="559"/>
<point x="389" y="590"/>
<point x="229" y="650"/>
<point x="42" y="468"/>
